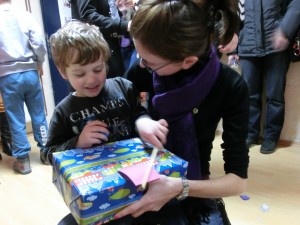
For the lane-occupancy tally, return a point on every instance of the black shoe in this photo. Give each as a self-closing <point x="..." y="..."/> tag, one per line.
<point x="250" y="142"/>
<point x="6" y="146"/>
<point x="42" y="158"/>
<point x="5" y="135"/>
<point x="268" y="147"/>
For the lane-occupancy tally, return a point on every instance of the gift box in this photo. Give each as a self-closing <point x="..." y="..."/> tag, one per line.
<point x="95" y="182"/>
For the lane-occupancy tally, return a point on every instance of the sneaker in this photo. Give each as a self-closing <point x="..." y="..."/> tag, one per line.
<point x="250" y="142"/>
<point x="268" y="147"/>
<point x="22" y="165"/>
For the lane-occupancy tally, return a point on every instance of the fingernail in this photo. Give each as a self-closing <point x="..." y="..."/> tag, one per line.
<point x="105" y="134"/>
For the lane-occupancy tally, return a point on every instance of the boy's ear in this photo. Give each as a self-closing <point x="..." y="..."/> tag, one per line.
<point x="189" y="61"/>
<point x="62" y="74"/>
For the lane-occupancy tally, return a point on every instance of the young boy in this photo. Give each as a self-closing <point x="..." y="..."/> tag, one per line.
<point x="100" y="109"/>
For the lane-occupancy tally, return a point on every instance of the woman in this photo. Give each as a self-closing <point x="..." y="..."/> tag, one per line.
<point x="192" y="91"/>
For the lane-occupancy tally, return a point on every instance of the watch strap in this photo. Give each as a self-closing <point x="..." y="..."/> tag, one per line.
<point x="185" y="191"/>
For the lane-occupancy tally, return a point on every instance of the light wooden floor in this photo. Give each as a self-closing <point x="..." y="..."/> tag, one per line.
<point x="274" y="181"/>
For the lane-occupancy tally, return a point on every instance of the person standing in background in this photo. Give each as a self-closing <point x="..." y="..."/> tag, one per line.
<point x="262" y="50"/>
<point x="22" y="52"/>
<point x="127" y="47"/>
<point x="107" y="16"/>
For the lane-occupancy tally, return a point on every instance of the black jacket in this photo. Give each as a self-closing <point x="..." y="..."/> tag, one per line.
<point x="117" y="105"/>
<point x="227" y="101"/>
<point x="262" y="18"/>
<point x="97" y="12"/>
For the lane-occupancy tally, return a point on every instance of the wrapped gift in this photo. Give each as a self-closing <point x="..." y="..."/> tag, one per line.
<point x="92" y="185"/>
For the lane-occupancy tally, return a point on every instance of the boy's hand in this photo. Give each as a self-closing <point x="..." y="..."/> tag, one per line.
<point x="154" y="132"/>
<point x="94" y="132"/>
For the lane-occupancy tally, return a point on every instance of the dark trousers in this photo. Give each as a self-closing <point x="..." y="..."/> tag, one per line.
<point x="174" y="213"/>
<point x="170" y="214"/>
<point x="269" y="72"/>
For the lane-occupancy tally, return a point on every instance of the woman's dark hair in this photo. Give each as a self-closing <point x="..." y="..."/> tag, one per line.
<point x="179" y="28"/>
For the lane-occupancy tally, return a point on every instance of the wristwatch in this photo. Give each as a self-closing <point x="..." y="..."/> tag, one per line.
<point x="185" y="191"/>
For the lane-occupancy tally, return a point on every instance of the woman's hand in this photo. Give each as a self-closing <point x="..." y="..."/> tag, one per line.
<point x="154" y="132"/>
<point x="94" y="132"/>
<point x="158" y="194"/>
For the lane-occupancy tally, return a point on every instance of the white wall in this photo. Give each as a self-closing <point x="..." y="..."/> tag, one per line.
<point x="64" y="8"/>
<point x="291" y="128"/>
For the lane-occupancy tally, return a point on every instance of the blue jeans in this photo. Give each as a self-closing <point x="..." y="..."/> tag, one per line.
<point x="17" y="89"/>
<point x="269" y="72"/>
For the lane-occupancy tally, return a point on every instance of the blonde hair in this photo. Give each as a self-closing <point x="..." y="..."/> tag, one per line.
<point x="84" y="39"/>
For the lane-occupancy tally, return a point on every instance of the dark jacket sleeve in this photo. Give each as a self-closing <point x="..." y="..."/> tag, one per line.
<point x="59" y="138"/>
<point x="140" y="77"/>
<point x="291" y="21"/>
<point x="235" y="119"/>
<point x="132" y="96"/>
<point x="98" y="13"/>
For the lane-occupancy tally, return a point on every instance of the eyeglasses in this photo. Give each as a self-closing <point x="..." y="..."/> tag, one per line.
<point x="145" y="64"/>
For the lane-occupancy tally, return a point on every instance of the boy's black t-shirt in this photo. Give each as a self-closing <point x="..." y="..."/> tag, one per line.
<point x="118" y="105"/>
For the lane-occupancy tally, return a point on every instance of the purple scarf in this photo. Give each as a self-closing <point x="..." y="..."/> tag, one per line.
<point x="175" y="101"/>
